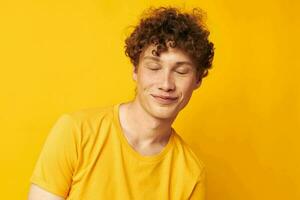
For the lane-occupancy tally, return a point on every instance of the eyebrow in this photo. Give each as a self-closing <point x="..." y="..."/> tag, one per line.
<point x="152" y="58"/>
<point x="177" y="63"/>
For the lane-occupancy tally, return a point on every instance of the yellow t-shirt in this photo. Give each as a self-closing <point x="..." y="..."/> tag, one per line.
<point x="86" y="156"/>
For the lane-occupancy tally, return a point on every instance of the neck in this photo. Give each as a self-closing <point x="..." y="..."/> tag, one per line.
<point x="143" y="129"/>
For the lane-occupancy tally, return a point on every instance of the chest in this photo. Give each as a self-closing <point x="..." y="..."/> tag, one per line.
<point x="116" y="175"/>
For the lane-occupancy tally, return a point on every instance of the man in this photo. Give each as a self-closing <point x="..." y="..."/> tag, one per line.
<point x="130" y="150"/>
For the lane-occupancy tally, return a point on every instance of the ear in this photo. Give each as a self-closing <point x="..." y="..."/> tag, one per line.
<point x="134" y="73"/>
<point x="198" y="84"/>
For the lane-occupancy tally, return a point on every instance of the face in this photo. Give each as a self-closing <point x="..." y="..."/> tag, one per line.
<point x="165" y="83"/>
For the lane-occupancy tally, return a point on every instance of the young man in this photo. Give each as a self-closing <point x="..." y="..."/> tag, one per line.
<point x="130" y="150"/>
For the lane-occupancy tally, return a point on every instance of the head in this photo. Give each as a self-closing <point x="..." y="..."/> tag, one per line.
<point x="170" y="53"/>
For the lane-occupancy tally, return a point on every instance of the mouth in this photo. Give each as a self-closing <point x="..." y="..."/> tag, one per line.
<point x="165" y="100"/>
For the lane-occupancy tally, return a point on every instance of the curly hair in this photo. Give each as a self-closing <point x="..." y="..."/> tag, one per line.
<point x="167" y="27"/>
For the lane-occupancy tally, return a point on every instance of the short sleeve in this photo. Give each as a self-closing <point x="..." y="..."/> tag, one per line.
<point x="199" y="191"/>
<point x="56" y="163"/>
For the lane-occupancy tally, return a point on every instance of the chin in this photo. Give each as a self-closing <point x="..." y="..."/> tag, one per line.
<point x="163" y="112"/>
<point x="162" y="116"/>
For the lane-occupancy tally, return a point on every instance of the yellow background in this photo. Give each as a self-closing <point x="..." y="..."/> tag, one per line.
<point x="61" y="56"/>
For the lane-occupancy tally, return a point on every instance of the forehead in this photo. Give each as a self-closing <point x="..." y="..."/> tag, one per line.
<point x="170" y="55"/>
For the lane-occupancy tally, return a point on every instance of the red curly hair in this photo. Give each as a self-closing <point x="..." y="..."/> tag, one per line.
<point x="167" y="27"/>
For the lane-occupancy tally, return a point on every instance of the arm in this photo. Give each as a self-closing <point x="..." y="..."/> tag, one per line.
<point x="54" y="168"/>
<point x="37" y="193"/>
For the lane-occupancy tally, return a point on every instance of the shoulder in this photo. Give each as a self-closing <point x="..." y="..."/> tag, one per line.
<point x="188" y="156"/>
<point x="91" y="113"/>
<point x="88" y="122"/>
<point x="89" y="116"/>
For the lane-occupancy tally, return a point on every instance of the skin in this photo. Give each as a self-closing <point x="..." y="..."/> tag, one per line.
<point x="171" y="74"/>
<point x="37" y="193"/>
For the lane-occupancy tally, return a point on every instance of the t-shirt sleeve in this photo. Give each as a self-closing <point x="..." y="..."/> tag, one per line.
<point x="56" y="163"/>
<point x="199" y="191"/>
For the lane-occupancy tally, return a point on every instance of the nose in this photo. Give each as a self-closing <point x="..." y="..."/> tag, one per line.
<point x="167" y="82"/>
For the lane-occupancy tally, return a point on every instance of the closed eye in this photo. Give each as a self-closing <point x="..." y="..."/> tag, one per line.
<point x="152" y="66"/>
<point x="181" y="72"/>
<point x="154" y="69"/>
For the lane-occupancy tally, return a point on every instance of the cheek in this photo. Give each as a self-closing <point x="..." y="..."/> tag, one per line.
<point x="186" y="88"/>
<point x="146" y="79"/>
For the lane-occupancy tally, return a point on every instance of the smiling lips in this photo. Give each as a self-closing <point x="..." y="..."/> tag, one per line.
<point x="164" y="99"/>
